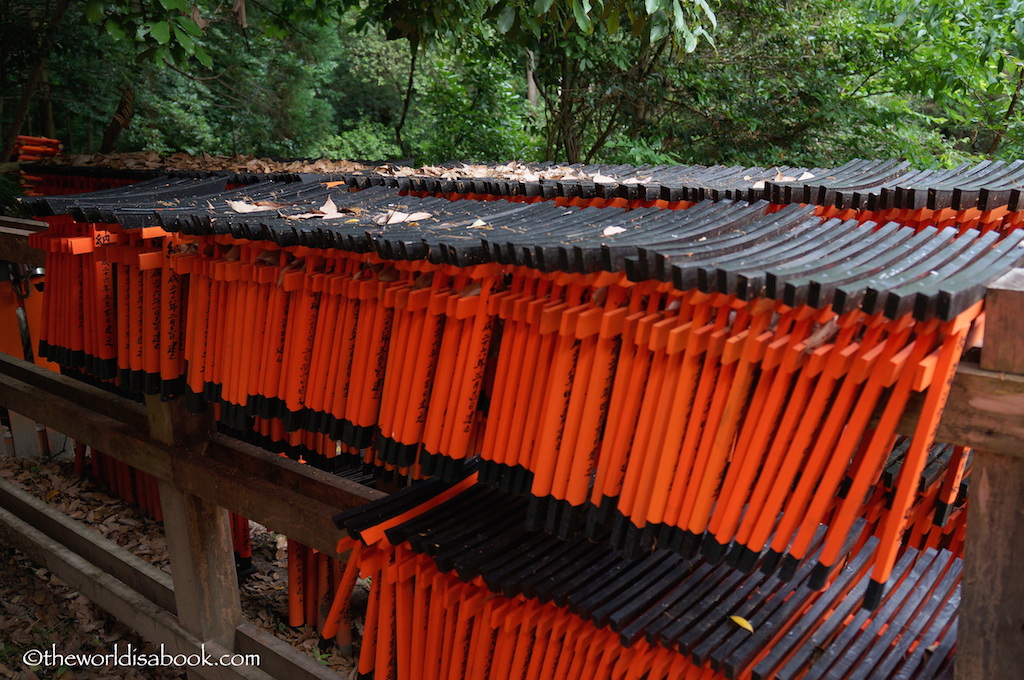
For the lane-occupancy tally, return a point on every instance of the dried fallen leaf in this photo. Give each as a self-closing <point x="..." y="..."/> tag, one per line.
<point x="397" y="217"/>
<point x="243" y="207"/>
<point x="613" y="230"/>
<point x="328" y="208"/>
<point x="603" y="179"/>
<point x="822" y="335"/>
<point x="478" y="223"/>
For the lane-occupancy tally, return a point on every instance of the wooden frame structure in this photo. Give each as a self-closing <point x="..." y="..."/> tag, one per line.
<point x="203" y="474"/>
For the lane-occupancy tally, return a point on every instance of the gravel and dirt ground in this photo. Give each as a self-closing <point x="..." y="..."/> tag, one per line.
<point x="38" y="610"/>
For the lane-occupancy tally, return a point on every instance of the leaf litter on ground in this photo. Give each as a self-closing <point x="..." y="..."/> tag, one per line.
<point x="64" y="617"/>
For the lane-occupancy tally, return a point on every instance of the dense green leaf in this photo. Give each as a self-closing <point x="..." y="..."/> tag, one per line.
<point x="761" y="82"/>
<point x="161" y="32"/>
<point x="612" y="22"/>
<point x="541" y="7"/>
<point x="582" y="18"/>
<point x="184" y="40"/>
<point x="203" y="56"/>
<point x="506" y="19"/>
<point x="115" y="30"/>
<point x="190" y="26"/>
<point x="94" y="11"/>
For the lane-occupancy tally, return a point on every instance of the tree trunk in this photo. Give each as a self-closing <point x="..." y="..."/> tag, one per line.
<point x="413" y="47"/>
<point x="567" y="125"/>
<point x="49" y="124"/>
<point x="531" y="84"/>
<point x="35" y="76"/>
<point x="122" y="118"/>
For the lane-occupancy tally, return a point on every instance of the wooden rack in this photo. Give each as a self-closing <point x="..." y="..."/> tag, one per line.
<point x="202" y="475"/>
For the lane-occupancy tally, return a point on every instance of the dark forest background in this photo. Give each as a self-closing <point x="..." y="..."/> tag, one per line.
<point x="766" y="82"/>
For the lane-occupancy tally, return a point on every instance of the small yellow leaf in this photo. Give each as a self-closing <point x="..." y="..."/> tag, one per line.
<point x="50" y="494"/>
<point x="742" y="623"/>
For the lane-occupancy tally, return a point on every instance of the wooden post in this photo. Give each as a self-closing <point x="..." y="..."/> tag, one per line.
<point x="198" y="536"/>
<point x="991" y="630"/>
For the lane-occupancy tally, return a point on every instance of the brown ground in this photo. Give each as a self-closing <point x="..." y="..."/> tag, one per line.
<point x="38" y="610"/>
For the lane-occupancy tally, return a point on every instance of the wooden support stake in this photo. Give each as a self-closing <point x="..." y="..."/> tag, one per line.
<point x="198" y="535"/>
<point x="991" y="630"/>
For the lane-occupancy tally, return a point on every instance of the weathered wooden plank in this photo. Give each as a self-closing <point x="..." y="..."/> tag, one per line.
<point x="202" y="565"/>
<point x="151" y="621"/>
<point x="22" y="223"/>
<point x="260" y="499"/>
<point x="136" y="573"/>
<point x="985" y="410"/>
<point x="198" y="536"/>
<point x="279" y="659"/>
<point x="79" y="421"/>
<point x="14" y="246"/>
<point x="1004" y="324"/>
<point x="265" y="498"/>
<point x="99" y="400"/>
<point x="170" y="423"/>
<point x="310" y="482"/>
<point x="991" y="632"/>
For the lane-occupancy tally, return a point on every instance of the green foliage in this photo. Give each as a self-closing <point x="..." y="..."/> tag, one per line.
<point x="472" y="111"/>
<point x="802" y="82"/>
<point x="805" y="83"/>
<point x="9" y="193"/>
<point x="684" y="22"/>
<point x="163" y="31"/>
<point x="262" y="101"/>
<point x="966" y="57"/>
<point x="368" y="141"/>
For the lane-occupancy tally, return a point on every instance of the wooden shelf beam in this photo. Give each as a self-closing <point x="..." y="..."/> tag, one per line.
<point x="279" y="493"/>
<point x="14" y="245"/>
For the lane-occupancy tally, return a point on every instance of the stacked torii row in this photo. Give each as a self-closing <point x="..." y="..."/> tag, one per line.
<point x="699" y="377"/>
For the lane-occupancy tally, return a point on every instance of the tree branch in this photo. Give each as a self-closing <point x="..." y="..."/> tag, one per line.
<point x="1009" y="110"/>
<point x="29" y="90"/>
<point x="169" y="63"/>
<point x="408" y="98"/>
